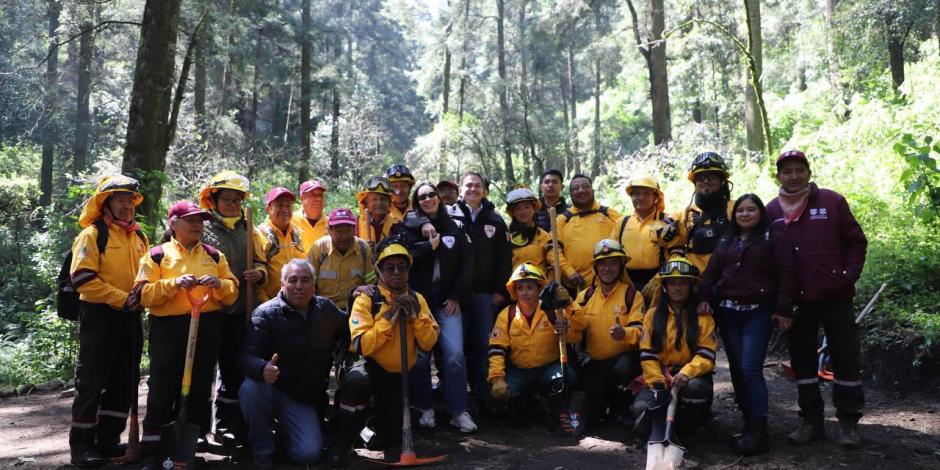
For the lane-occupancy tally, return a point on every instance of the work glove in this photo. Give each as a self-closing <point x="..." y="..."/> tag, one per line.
<point x="407" y="303"/>
<point x="668" y="231"/>
<point x="553" y="297"/>
<point x="661" y="397"/>
<point x="499" y="389"/>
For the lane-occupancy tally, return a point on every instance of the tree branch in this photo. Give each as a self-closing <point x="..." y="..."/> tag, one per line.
<point x="181" y="84"/>
<point x="55" y="47"/>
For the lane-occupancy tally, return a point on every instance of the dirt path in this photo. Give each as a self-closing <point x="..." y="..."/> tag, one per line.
<point x="900" y="434"/>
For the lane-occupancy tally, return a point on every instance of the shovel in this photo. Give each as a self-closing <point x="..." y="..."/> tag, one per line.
<point x="666" y="453"/>
<point x="407" y="457"/>
<point x="178" y="439"/>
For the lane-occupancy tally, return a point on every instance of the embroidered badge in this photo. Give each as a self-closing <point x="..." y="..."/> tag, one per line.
<point x="489" y="230"/>
<point x="449" y="241"/>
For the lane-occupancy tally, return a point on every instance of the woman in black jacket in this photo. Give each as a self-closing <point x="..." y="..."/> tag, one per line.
<point x="751" y="280"/>
<point x="441" y="272"/>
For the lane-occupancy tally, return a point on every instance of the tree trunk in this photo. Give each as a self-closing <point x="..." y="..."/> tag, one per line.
<point x="596" y="164"/>
<point x="86" y="52"/>
<point x="53" y="9"/>
<point x="463" y="58"/>
<point x="144" y="156"/>
<point x="305" y="91"/>
<point x="752" y="115"/>
<point x="255" y="90"/>
<point x="534" y="164"/>
<point x="503" y="93"/>
<point x="896" y="60"/>
<point x="569" y="158"/>
<point x="199" y="87"/>
<point x="829" y="8"/>
<point x="573" y="102"/>
<point x="659" y="80"/>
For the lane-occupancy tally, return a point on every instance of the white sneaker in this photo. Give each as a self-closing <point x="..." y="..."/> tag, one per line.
<point x="464" y="422"/>
<point x="427" y="419"/>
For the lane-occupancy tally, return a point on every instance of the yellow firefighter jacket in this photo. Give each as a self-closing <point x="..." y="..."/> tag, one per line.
<point x="106" y="278"/>
<point x="537" y="252"/>
<point x="309" y="234"/>
<point x="528" y="345"/>
<point x="639" y="237"/>
<point x="373" y="336"/>
<point x="160" y="294"/>
<point x="692" y="363"/>
<point x="595" y="317"/>
<point x="578" y="234"/>
<point x="337" y="274"/>
<point x="699" y="249"/>
<point x="277" y="249"/>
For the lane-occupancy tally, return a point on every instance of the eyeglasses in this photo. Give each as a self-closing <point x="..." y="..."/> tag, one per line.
<point x="707" y="177"/>
<point x="581" y="187"/>
<point x="683" y="268"/>
<point x="378" y="184"/>
<point x="426" y="196"/>
<point x="394" y="268"/>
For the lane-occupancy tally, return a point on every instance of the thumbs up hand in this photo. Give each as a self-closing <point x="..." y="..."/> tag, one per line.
<point x="271" y="371"/>
<point x="617" y="332"/>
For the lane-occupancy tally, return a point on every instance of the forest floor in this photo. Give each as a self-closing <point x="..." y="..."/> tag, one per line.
<point x="899" y="432"/>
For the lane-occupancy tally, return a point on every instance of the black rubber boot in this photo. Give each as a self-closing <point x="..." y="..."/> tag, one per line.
<point x="346" y="431"/>
<point x="811" y="430"/>
<point x="754" y="439"/>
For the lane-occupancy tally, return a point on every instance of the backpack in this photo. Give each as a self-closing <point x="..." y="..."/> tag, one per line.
<point x="275" y="244"/>
<point x="68" y="305"/>
<point x="623" y="226"/>
<point x="603" y="210"/>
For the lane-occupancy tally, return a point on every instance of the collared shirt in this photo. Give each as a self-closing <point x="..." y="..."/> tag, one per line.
<point x="106" y="278"/>
<point x="287" y="247"/>
<point x="600" y="313"/>
<point x="526" y="344"/>
<point x="162" y="297"/>
<point x="578" y="236"/>
<point x="337" y="274"/>
<point x="309" y="234"/>
<point x="639" y="237"/>
<point x="378" y="339"/>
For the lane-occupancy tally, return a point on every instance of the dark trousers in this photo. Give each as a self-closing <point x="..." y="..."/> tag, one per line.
<point x="367" y="380"/>
<point x="106" y="375"/>
<point x="745" y="335"/>
<point x="607" y="383"/>
<point x="838" y="322"/>
<point x="168" y="336"/>
<point x="694" y="400"/>
<point x="228" y="411"/>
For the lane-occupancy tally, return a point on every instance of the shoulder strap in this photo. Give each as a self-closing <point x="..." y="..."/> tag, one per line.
<point x="629" y="297"/>
<point x="363" y="248"/>
<point x="274" y="244"/>
<point x="510" y="318"/>
<point x="101" y="241"/>
<point x="623" y="226"/>
<point x="323" y="255"/>
<point x="212" y="252"/>
<point x="142" y="237"/>
<point x="156" y="254"/>
<point x="604" y="210"/>
<point x="377" y="301"/>
<point x="568" y="215"/>
<point x="588" y="294"/>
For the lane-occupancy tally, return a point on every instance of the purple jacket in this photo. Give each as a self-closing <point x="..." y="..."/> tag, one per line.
<point x="758" y="270"/>
<point x="829" y="243"/>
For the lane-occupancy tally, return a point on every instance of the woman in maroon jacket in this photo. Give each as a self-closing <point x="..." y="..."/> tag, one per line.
<point x="751" y="280"/>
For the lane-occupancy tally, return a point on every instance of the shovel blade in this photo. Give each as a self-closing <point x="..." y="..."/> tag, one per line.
<point x="178" y="446"/>
<point x="673" y="455"/>
<point x="409" y="459"/>
<point x="654" y="455"/>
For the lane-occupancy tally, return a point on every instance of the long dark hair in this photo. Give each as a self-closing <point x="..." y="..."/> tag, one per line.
<point x="661" y="319"/>
<point x="762" y="224"/>
<point x="440" y="219"/>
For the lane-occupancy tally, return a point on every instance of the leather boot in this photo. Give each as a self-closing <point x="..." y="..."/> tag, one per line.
<point x="848" y="435"/>
<point x="811" y="430"/>
<point x="754" y="439"/>
<point x="346" y="430"/>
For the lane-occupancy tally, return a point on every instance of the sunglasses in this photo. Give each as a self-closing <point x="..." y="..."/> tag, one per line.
<point x="684" y="269"/>
<point x="426" y="196"/>
<point x="394" y="268"/>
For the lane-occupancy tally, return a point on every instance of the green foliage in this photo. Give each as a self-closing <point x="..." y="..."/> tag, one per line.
<point x="921" y="177"/>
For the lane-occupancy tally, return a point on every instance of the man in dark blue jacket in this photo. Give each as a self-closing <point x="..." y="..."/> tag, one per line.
<point x="492" y="265"/>
<point x="288" y="353"/>
<point x="830" y="250"/>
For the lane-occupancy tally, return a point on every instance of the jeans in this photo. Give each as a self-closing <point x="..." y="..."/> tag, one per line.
<point x="477" y="327"/>
<point x="260" y="403"/>
<point x="454" y="366"/>
<point x="745" y="335"/>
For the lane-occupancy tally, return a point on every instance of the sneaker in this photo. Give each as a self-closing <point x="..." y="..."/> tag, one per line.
<point x="848" y="435"/>
<point x="806" y="433"/>
<point x="463" y="422"/>
<point x="427" y="419"/>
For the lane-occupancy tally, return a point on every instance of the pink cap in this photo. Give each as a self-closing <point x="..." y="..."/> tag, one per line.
<point x="277" y="192"/>
<point x="184" y="208"/>
<point x="311" y="185"/>
<point x="792" y="155"/>
<point x="341" y="216"/>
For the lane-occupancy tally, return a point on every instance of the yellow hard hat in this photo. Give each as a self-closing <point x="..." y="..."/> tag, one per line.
<point x="608" y="248"/>
<point x="224" y="180"/>
<point x="647" y="181"/>
<point x="389" y="247"/>
<point x="524" y="272"/>
<point x="107" y="186"/>
<point x="678" y="267"/>
<point x="521" y="195"/>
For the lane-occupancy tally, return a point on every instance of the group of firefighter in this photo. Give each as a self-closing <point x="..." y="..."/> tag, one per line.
<point x="518" y="318"/>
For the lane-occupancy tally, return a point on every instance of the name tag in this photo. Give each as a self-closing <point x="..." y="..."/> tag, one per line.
<point x="356" y="272"/>
<point x="327" y="274"/>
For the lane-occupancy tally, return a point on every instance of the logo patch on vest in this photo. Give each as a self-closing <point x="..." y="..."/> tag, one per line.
<point x="818" y="214"/>
<point x="449" y="241"/>
<point x="489" y="230"/>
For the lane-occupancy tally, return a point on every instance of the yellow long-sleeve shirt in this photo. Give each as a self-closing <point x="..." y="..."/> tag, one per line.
<point x="592" y="321"/>
<point x="686" y="219"/>
<point x="640" y="239"/>
<point x="536" y="252"/>
<point x="309" y="234"/>
<point x="160" y="294"/>
<point x="578" y="236"/>
<point x="693" y="363"/>
<point x="338" y="274"/>
<point x="106" y="278"/>
<point x="397" y="213"/>
<point x="377" y="338"/>
<point x="288" y="247"/>
<point x="527" y="345"/>
<point x="365" y="230"/>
